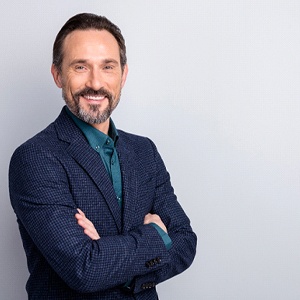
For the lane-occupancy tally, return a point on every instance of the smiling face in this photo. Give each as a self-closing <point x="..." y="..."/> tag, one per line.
<point x="91" y="77"/>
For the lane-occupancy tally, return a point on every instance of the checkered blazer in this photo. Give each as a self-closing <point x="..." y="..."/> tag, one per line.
<point x="56" y="172"/>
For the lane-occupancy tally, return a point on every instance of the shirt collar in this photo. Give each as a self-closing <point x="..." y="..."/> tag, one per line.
<point x="94" y="136"/>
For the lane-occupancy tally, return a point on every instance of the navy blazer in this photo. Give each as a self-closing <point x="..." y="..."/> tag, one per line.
<point x="56" y="172"/>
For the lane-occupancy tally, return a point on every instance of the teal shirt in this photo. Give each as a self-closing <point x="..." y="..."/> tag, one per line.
<point x="105" y="145"/>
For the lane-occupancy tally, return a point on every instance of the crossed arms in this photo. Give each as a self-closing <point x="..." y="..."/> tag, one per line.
<point x="90" y="230"/>
<point x="41" y="195"/>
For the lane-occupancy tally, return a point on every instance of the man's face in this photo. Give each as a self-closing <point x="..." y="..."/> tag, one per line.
<point x="91" y="76"/>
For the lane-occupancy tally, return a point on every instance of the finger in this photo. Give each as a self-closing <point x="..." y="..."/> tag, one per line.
<point x="147" y="218"/>
<point x="78" y="216"/>
<point x="81" y="212"/>
<point x="92" y="234"/>
<point x="85" y="225"/>
<point x="81" y="216"/>
<point x="87" y="222"/>
<point x="88" y="227"/>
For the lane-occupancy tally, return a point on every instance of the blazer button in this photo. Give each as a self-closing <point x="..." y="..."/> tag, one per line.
<point x="157" y="260"/>
<point x="144" y="286"/>
<point x="150" y="263"/>
<point x="148" y="285"/>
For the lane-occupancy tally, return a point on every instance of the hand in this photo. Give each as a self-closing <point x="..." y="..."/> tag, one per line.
<point x="87" y="225"/>
<point x="153" y="218"/>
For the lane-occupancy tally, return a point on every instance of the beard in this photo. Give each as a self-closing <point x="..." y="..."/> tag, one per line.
<point x="93" y="114"/>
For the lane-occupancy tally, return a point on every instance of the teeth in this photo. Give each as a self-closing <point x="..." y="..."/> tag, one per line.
<point x="94" y="97"/>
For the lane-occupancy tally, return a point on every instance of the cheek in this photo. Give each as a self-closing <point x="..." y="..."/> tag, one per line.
<point x="74" y="84"/>
<point x="116" y="85"/>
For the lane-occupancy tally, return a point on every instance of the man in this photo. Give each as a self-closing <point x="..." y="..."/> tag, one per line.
<point x="96" y="211"/>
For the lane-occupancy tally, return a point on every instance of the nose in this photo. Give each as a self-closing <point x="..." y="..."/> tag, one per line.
<point x="95" y="80"/>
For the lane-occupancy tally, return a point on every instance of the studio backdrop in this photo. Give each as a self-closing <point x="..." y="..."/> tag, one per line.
<point x="216" y="85"/>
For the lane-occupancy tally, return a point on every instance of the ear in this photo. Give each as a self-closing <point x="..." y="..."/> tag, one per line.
<point x="56" y="76"/>
<point x="124" y="75"/>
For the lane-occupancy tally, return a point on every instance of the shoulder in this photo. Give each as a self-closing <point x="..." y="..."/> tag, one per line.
<point x="44" y="144"/>
<point x="140" y="150"/>
<point x="30" y="156"/>
<point x="137" y="142"/>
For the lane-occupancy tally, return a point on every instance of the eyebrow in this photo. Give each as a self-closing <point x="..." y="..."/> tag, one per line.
<point x="78" y="61"/>
<point x="84" y="61"/>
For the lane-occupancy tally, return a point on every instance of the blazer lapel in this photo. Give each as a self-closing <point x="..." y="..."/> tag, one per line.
<point x="130" y="184"/>
<point x="90" y="160"/>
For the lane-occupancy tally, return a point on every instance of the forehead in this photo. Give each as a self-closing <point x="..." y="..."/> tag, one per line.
<point x="87" y="44"/>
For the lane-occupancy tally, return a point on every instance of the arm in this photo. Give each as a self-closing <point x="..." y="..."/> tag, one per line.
<point x="184" y="240"/>
<point x="168" y="215"/>
<point x="90" y="230"/>
<point x="41" y="197"/>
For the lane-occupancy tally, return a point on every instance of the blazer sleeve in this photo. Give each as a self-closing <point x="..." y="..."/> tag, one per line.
<point x="184" y="240"/>
<point x="42" y="200"/>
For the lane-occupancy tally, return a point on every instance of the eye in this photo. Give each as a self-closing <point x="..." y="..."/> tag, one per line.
<point x="80" y="68"/>
<point x="108" y="67"/>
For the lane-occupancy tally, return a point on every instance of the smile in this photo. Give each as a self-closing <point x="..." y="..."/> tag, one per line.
<point x="94" y="98"/>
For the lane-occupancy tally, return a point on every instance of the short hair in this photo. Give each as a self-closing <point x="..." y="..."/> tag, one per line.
<point x="86" y="21"/>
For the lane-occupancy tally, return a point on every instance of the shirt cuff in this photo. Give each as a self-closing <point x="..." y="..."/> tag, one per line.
<point x="165" y="237"/>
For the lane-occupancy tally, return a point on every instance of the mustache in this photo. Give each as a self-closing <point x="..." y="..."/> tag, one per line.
<point x="91" y="92"/>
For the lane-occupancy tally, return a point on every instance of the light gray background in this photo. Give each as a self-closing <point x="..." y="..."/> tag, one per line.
<point x="216" y="84"/>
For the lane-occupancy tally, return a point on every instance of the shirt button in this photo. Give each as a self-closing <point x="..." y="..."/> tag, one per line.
<point x="97" y="147"/>
<point x="112" y="162"/>
<point x="107" y="142"/>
